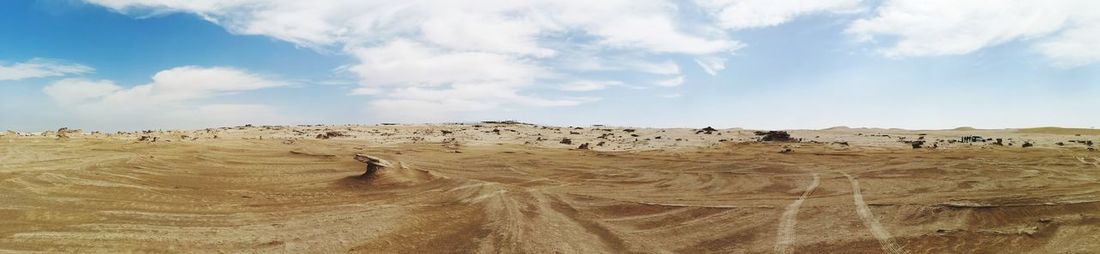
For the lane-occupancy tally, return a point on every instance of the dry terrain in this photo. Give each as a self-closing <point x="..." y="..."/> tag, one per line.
<point x="518" y="188"/>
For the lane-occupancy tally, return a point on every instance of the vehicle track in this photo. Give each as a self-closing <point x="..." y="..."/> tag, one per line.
<point x="869" y="220"/>
<point x="785" y="235"/>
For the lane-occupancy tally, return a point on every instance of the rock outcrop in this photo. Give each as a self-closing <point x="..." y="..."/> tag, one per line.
<point x="373" y="164"/>
<point x="779" y="136"/>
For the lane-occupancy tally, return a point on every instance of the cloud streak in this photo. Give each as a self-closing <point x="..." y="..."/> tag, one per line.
<point x="1059" y="30"/>
<point x="175" y="97"/>
<point x="41" y="68"/>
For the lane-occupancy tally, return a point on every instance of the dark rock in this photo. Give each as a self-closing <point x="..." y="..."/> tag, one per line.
<point x="707" y="130"/>
<point x="778" y="136"/>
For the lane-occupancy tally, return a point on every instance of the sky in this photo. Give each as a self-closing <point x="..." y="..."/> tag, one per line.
<point x="765" y="64"/>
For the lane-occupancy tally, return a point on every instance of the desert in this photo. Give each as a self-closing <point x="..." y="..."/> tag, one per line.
<point x="549" y="126"/>
<point x="510" y="187"/>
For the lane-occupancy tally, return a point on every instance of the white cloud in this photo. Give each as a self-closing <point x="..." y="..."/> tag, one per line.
<point x="175" y="97"/>
<point x="366" y="91"/>
<point x="589" y="85"/>
<point x="588" y="63"/>
<point x="1073" y="47"/>
<point x="673" y="82"/>
<point x="503" y="47"/>
<point x="1060" y="30"/>
<point x="447" y="47"/>
<point x="40" y="68"/>
<point x="743" y="14"/>
<point x="75" y="91"/>
<point x="407" y="63"/>
<point x="712" y="65"/>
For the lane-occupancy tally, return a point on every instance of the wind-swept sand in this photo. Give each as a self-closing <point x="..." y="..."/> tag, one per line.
<point x="517" y="188"/>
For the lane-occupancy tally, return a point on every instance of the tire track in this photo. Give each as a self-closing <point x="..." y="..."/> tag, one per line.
<point x="870" y="222"/>
<point x="785" y="234"/>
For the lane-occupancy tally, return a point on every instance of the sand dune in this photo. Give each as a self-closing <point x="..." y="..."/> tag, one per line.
<point x="514" y="188"/>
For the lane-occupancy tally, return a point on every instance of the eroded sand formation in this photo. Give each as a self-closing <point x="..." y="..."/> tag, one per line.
<point x="507" y="187"/>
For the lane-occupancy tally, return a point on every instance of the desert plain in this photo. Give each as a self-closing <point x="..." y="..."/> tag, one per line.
<point x="508" y="187"/>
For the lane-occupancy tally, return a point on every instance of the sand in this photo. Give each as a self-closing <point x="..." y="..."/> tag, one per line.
<point x="457" y="188"/>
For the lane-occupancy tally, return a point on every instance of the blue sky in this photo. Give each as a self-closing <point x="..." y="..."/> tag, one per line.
<point x="137" y="64"/>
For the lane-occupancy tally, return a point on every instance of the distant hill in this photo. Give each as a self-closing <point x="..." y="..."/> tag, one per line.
<point x="1060" y="131"/>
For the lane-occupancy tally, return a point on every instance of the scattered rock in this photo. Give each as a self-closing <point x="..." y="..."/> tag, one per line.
<point x="566" y="141"/>
<point x="331" y="134"/>
<point x="63" y="133"/>
<point x="66" y="132"/>
<point x="510" y="122"/>
<point x="583" y="146"/>
<point x="1027" y="144"/>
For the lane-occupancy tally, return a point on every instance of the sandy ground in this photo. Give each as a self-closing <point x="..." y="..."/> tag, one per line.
<point x="513" y="188"/>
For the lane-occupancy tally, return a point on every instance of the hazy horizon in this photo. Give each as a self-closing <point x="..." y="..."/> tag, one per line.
<point x="596" y="125"/>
